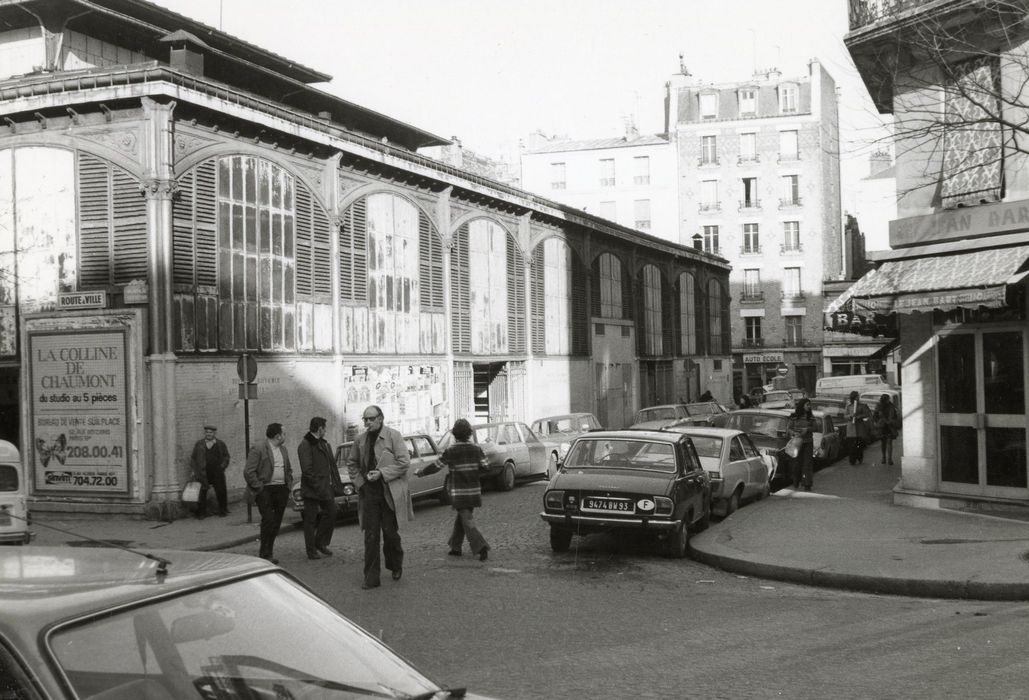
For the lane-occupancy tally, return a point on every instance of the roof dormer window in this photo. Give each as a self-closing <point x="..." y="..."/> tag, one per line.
<point x="709" y="105"/>
<point x="748" y="102"/>
<point x="788" y="98"/>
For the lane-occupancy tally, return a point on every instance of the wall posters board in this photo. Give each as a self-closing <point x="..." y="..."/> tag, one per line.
<point x="78" y="389"/>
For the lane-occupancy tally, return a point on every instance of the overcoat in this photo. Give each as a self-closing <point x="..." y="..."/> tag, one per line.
<point x="393" y="460"/>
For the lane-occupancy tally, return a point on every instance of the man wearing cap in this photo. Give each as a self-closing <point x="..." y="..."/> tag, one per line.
<point x="209" y="461"/>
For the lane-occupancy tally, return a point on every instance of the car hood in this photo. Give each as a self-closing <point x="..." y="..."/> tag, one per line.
<point x="629" y="480"/>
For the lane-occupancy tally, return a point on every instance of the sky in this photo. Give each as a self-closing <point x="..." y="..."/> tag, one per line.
<point x="490" y="72"/>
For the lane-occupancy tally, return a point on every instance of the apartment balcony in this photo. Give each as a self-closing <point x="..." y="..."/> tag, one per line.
<point x="753" y="342"/>
<point x="752" y="296"/>
<point x="750" y="250"/>
<point x="750" y="205"/>
<point x="709" y="207"/>
<point x="795" y="343"/>
<point x="793" y="296"/>
<point x="706" y="162"/>
<point x="791" y="249"/>
<point x="788" y="158"/>
<point x="748" y="159"/>
<point x="790" y="202"/>
<point x="864" y="13"/>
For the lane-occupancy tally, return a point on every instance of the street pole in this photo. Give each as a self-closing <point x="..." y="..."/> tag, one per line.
<point x="246" y="368"/>
<point x="246" y="449"/>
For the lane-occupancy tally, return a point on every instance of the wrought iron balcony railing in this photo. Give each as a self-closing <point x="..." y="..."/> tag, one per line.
<point x="867" y="12"/>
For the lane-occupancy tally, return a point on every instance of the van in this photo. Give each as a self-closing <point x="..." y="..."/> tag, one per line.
<point x="14" y="514"/>
<point x="829" y="386"/>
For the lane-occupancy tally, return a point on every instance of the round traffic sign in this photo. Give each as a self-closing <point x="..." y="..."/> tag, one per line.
<point x="246" y="368"/>
<point x="782" y="370"/>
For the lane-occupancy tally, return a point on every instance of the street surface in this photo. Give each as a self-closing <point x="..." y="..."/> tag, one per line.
<point x="614" y="619"/>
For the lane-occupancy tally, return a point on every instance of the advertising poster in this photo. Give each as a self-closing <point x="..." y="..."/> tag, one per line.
<point x="79" y="412"/>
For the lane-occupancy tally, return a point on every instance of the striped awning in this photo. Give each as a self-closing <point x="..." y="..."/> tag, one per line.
<point x="944" y="282"/>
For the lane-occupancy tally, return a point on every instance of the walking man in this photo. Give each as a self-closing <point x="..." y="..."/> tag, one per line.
<point x="269" y="477"/>
<point x="316" y="467"/>
<point x="209" y="461"/>
<point x="378" y="465"/>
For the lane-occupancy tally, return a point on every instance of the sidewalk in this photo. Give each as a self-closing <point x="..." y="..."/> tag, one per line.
<point x="846" y="533"/>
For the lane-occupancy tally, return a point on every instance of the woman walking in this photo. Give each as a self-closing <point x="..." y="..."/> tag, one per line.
<point x="857" y="416"/>
<point x="887" y="420"/>
<point x="464" y="459"/>
<point x="801" y="424"/>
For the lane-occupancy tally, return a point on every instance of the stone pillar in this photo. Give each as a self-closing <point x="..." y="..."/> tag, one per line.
<point x="443" y="226"/>
<point x="159" y="188"/>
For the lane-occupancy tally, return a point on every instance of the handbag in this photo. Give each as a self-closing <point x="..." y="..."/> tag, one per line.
<point x="793" y="447"/>
<point x="191" y="493"/>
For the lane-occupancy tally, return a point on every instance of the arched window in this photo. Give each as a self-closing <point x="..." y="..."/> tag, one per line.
<point x="487" y="285"/>
<point x="557" y="278"/>
<point x="714" y="318"/>
<point x="688" y="314"/>
<point x="610" y="269"/>
<point x="652" y="312"/>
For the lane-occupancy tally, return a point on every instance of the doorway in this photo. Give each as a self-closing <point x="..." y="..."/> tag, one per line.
<point x="10" y="412"/>
<point x="490" y="391"/>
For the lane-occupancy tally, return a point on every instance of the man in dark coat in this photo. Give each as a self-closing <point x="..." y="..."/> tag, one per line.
<point x="465" y="459"/>
<point x="269" y="477"/>
<point x="209" y="461"/>
<point x="316" y="471"/>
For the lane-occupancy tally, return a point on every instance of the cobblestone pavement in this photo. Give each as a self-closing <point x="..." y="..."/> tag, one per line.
<point x="613" y="619"/>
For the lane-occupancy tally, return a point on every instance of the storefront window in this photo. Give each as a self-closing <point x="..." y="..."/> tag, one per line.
<point x="957" y="364"/>
<point x="959" y="455"/>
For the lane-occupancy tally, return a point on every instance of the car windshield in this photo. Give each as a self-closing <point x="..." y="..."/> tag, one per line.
<point x="707" y="446"/>
<point x="661" y="413"/>
<point x="755" y="423"/>
<point x="239" y="640"/>
<point x="622" y="454"/>
<point x="570" y="424"/>
<point x="701" y="409"/>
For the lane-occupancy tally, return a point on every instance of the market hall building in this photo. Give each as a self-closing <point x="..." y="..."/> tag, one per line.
<point x="173" y="197"/>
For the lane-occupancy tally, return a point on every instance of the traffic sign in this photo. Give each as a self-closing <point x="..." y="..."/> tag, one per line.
<point x="782" y="370"/>
<point x="246" y="368"/>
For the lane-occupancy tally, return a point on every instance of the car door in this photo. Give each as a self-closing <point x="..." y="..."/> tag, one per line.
<point x="692" y="485"/>
<point x="535" y="450"/>
<point x="757" y="468"/>
<point x="737" y="468"/>
<point x="514" y="448"/>
<point x="423" y="453"/>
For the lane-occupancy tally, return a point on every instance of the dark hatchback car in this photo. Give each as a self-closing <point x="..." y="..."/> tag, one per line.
<point x="629" y="480"/>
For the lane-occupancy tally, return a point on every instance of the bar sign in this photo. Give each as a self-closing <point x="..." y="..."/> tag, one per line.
<point x="82" y="300"/>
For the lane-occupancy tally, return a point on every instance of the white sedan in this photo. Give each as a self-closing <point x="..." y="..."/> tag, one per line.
<point x="738" y="470"/>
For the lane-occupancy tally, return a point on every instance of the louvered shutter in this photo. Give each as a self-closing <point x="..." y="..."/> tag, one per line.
<point x="515" y="298"/>
<point x="129" y="229"/>
<point x="460" y="300"/>
<point x="641" y="316"/>
<point x="94" y="222"/>
<point x="538" y="301"/>
<point x="430" y="265"/>
<point x="353" y="254"/>
<point x="595" y="287"/>
<point x="580" y="314"/>
<point x="305" y="244"/>
<point x="183" y="240"/>
<point x="668" y="317"/>
<point x="627" y="307"/>
<point x="206" y="224"/>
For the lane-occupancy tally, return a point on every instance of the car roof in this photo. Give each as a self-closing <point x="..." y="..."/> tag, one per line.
<point x="563" y="415"/>
<point x="783" y="412"/>
<point x="662" y="405"/>
<point x="704" y="430"/>
<point x="8" y="452"/>
<point x="653" y="435"/>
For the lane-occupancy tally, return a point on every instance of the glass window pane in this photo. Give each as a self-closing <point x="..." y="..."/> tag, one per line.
<point x="1005" y="457"/>
<point x="1003" y="379"/>
<point x="959" y="454"/>
<point x="956" y="354"/>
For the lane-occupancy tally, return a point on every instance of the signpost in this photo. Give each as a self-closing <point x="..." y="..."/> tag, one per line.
<point x="246" y="368"/>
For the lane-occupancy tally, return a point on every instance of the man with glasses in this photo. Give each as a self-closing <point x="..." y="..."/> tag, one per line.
<point x="269" y="477"/>
<point x="378" y="464"/>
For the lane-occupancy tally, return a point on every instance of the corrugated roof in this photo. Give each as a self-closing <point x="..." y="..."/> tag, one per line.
<point x="599" y="144"/>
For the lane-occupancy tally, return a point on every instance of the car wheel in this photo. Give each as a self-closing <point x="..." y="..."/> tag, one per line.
<point x="675" y="545"/>
<point x="551" y="465"/>
<point x="734" y="503"/>
<point x="560" y="539"/>
<point x="506" y="478"/>
<point x="444" y="495"/>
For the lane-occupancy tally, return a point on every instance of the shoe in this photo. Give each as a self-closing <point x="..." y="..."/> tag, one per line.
<point x="222" y="514"/>
<point x="891" y="462"/>
<point x="365" y="586"/>
<point x="200" y="516"/>
<point x="484" y="554"/>
<point x="397" y="573"/>
<point x="807" y="487"/>
<point x="325" y="551"/>
<point x="314" y="555"/>
<point x="454" y="552"/>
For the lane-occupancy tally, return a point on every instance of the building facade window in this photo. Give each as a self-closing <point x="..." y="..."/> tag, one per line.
<point x="750" y="196"/>
<point x="607" y="172"/>
<point x="790" y="190"/>
<point x="748" y="102"/>
<point x="752" y="284"/>
<point x="652" y="317"/>
<point x="787" y="99"/>
<point x="708" y="105"/>
<point x="688" y="313"/>
<point x="716" y="342"/>
<point x="557" y="176"/>
<point x="610" y="286"/>
<point x="789" y="148"/>
<point x="791" y="236"/>
<point x="791" y="288"/>
<point x="794" y="330"/>
<point x="711" y="240"/>
<point x="751" y="240"/>
<point x="393" y="274"/>
<point x="487" y="285"/>
<point x="709" y="195"/>
<point x="641" y="166"/>
<point x="752" y="327"/>
<point x="748" y="148"/>
<point x="641" y="214"/>
<point x="708" y="150"/>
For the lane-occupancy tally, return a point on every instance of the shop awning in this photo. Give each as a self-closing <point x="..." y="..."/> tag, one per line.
<point x="970" y="279"/>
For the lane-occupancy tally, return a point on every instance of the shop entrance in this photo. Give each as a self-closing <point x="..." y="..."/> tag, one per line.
<point x="10" y="413"/>
<point x="982" y="419"/>
<point x="489" y="380"/>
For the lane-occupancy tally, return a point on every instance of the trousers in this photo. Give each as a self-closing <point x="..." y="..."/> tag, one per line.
<point x="271" y="504"/>
<point x="380" y="527"/>
<point x="319" y="521"/>
<point x="464" y="526"/>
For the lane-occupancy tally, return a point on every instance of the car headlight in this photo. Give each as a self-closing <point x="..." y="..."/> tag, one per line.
<point x="554" y="500"/>
<point x="348" y="490"/>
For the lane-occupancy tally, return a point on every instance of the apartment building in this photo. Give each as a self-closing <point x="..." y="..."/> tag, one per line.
<point x="759" y="185"/>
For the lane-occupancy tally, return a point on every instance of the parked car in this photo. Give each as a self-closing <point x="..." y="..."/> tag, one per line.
<point x="828" y="442"/>
<point x="557" y="433"/>
<point x="834" y="406"/>
<point x="629" y="480"/>
<point x="767" y="428"/>
<point x="423" y="451"/>
<point x="102" y="622"/>
<point x="513" y="450"/>
<point x="782" y="398"/>
<point x="844" y="384"/>
<point x="14" y="512"/>
<point x="738" y="470"/>
<point x="657" y="417"/>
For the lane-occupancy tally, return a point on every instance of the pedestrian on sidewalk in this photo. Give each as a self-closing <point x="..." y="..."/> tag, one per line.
<point x="378" y="465"/>
<point x="269" y="477"/>
<point x="209" y="461"/>
<point x="887" y="420"/>
<point x="317" y="466"/>
<point x="465" y="460"/>
<point x="857" y="416"/>
<point x="801" y="424"/>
